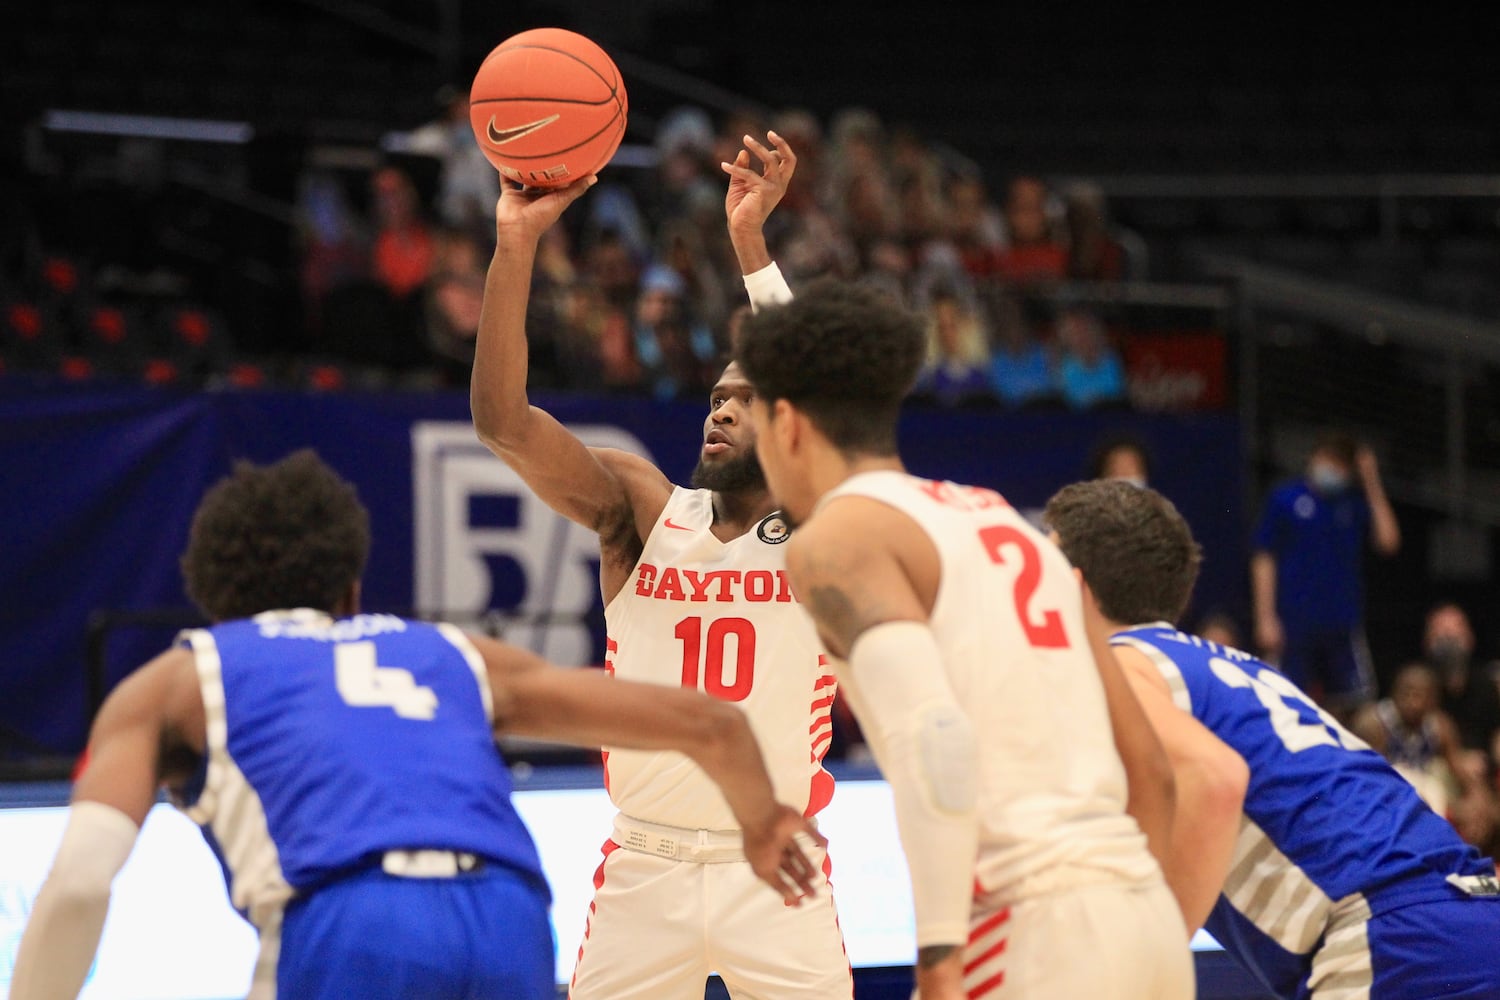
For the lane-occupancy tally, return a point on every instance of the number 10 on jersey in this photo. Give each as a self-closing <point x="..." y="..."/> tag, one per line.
<point x="703" y="656"/>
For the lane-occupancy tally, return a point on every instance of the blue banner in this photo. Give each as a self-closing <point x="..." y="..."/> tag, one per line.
<point x="101" y="483"/>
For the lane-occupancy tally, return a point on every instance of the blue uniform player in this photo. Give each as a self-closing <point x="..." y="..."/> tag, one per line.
<point x="1339" y="882"/>
<point x="345" y="768"/>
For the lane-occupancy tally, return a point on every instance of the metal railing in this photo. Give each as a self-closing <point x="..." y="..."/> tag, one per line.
<point x="1410" y="377"/>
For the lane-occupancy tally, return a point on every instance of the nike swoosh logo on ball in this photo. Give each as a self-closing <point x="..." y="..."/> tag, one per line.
<point x="501" y="136"/>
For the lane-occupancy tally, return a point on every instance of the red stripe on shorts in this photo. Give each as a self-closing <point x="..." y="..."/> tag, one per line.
<point x="588" y="925"/>
<point x="990" y="924"/>
<point x="979" y="960"/>
<point x="978" y="991"/>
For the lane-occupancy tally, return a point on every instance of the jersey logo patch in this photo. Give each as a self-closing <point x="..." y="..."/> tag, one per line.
<point x="1476" y="885"/>
<point x="773" y="530"/>
<point x="680" y="527"/>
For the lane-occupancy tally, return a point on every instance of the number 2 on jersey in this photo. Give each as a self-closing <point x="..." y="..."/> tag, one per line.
<point x="1049" y="632"/>
<point x="710" y="651"/>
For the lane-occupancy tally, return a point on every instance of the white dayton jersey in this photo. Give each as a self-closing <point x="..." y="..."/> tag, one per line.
<point x="719" y="617"/>
<point x="1008" y="619"/>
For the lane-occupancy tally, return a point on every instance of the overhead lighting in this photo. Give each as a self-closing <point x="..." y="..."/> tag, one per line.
<point x="148" y="126"/>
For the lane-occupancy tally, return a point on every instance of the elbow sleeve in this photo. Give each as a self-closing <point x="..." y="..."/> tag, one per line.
<point x="926" y="747"/>
<point x="68" y="915"/>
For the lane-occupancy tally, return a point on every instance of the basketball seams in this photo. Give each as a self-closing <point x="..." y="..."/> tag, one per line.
<point x="547" y="100"/>
<point x="613" y="88"/>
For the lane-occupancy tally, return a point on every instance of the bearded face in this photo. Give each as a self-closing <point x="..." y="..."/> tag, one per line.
<point x="737" y="474"/>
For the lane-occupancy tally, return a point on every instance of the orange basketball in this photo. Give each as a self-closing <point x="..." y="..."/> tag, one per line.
<point x="548" y="107"/>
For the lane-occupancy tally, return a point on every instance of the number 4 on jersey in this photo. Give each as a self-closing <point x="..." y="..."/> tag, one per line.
<point x="362" y="683"/>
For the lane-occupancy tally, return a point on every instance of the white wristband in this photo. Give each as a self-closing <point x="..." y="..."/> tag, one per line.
<point x="767" y="287"/>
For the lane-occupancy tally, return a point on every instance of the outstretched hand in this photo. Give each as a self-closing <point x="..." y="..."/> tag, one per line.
<point x="526" y="213"/>
<point x="777" y="858"/>
<point x="752" y="195"/>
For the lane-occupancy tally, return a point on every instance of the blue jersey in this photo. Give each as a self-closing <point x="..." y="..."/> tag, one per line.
<point x="1318" y="542"/>
<point x="1329" y="827"/>
<point x="331" y="742"/>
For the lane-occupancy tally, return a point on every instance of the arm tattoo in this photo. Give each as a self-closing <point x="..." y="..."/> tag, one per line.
<point x="835" y="613"/>
<point x="933" y="954"/>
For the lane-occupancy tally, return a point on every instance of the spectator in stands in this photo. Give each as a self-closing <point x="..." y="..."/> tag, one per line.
<point x="687" y="172"/>
<point x="454" y="294"/>
<point x="739" y="122"/>
<point x="856" y="144"/>
<point x="595" y="349"/>
<point x="1121" y="455"/>
<point x="1097" y="251"/>
<point x="1089" y="369"/>
<point x="888" y="267"/>
<point x="1307" y="571"/>
<point x="817" y="247"/>
<point x="1469" y="690"/>
<point x="861" y="195"/>
<point x="609" y="265"/>
<point x="404" y="248"/>
<point x="681" y="248"/>
<point x="957" y="369"/>
<point x="917" y="177"/>
<point x="867" y="209"/>
<point x="335" y="249"/>
<point x="1421" y="742"/>
<point x="676" y="350"/>
<point x="1021" y="369"/>
<point x="1032" y="253"/>
<point x="468" y="185"/>
<point x="802" y="131"/>
<point x="975" y="224"/>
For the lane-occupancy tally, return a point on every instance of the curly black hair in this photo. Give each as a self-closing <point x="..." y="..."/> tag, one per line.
<point x="843" y="353"/>
<point x="1136" y="551"/>
<point x="287" y="535"/>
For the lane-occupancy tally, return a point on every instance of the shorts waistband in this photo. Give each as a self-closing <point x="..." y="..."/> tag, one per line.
<point x="677" y="843"/>
<point x="1428" y="887"/>
<point x="1062" y="879"/>
<point x="430" y="863"/>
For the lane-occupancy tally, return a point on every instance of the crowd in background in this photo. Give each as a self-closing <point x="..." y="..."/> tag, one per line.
<point x="639" y="290"/>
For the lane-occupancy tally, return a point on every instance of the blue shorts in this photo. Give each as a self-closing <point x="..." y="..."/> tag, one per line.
<point x="476" y="936"/>
<point x="1434" y="950"/>
<point x="1425" y="951"/>
<point x="1332" y="665"/>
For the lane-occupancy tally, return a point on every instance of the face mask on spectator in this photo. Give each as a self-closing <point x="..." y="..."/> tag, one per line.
<point x="1447" y="654"/>
<point x="1328" y="479"/>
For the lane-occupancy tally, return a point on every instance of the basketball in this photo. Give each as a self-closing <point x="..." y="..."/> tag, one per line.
<point x="548" y="107"/>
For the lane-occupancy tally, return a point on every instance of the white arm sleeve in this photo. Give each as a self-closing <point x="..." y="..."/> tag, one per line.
<point x="767" y="287"/>
<point x="68" y="915"/>
<point x="925" y="746"/>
